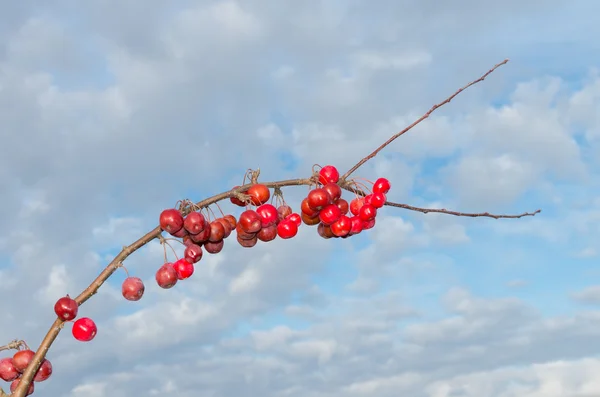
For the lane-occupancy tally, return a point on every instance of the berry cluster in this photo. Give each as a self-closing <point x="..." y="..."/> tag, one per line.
<point x="84" y="329"/>
<point x="325" y="207"/>
<point x="12" y="368"/>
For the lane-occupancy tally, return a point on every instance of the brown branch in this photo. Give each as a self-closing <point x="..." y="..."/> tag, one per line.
<point x="456" y="213"/>
<point x="56" y="327"/>
<point x="14" y="345"/>
<point x="426" y="115"/>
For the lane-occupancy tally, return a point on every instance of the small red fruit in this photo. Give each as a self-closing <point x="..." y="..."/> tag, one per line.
<point x="166" y="276"/>
<point x="21" y="359"/>
<point x="366" y="225"/>
<point x="44" y="371"/>
<point x="84" y="329"/>
<point x="381" y="185"/>
<point x="306" y="209"/>
<point x="268" y="214"/>
<point x="183" y="268"/>
<point x="325" y="231"/>
<point x="342" y="226"/>
<point x="342" y="205"/>
<point x="356" y="204"/>
<point x="66" y="308"/>
<point x="259" y="194"/>
<point x="283" y="211"/>
<point x="237" y="201"/>
<point x="357" y="225"/>
<point x="202" y="236"/>
<point x="335" y="192"/>
<point x="231" y="219"/>
<point x="310" y="221"/>
<point x="133" y="288"/>
<point x="329" y="174"/>
<point x="171" y="220"/>
<point x="247" y="243"/>
<point x="266" y="234"/>
<point x="194" y="222"/>
<point x="287" y="228"/>
<point x="318" y="199"/>
<point x="226" y="226"/>
<point x="8" y="372"/>
<point x="295" y="218"/>
<point x="377" y="200"/>
<point x="193" y="253"/>
<point x="15" y="383"/>
<point x="330" y="214"/>
<point x="214" y="248"/>
<point x="180" y="233"/>
<point x="250" y="221"/>
<point x="217" y="232"/>
<point x="367" y="212"/>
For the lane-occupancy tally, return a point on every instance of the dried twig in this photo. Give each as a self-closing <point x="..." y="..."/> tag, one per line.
<point x="456" y="213"/>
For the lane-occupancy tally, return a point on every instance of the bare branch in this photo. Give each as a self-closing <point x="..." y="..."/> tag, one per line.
<point x="14" y="345"/>
<point x="426" y="115"/>
<point x="456" y="213"/>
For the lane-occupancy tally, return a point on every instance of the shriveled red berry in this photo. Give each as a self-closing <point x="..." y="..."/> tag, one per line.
<point x="133" y="288"/>
<point x="8" y="372"/>
<point x="84" y="329"/>
<point x="329" y="174"/>
<point x="166" y="276"/>
<point x="381" y="185"/>
<point x="171" y="220"/>
<point x="66" y="308"/>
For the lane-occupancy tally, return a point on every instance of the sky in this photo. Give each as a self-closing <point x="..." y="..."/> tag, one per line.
<point x="112" y="111"/>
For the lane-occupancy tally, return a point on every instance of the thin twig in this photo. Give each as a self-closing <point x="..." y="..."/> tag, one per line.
<point x="456" y="213"/>
<point x="426" y="115"/>
<point x="14" y="345"/>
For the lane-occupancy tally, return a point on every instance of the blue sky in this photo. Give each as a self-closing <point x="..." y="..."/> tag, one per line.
<point x="112" y="112"/>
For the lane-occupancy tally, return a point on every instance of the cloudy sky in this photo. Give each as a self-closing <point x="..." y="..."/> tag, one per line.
<point x="111" y="111"/>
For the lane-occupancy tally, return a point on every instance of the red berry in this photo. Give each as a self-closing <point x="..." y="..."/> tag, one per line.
<point x="381" y="185"/>
<point x="259" y="194"/>
<point x="295" y="218"/>
<point x="377" y="200"/>
<point x="84" y="329"/>
<point x="357" y="225"/>
<point x="132" y="288"/>
<point x="66" y="308"/>
<point x="367" y="212"/>
<point x="325" y="231"/>
<point x="183" y="268"/>
<point x="8" y="372"/>
<point x="247" y="243"/>
<point x="44" y="371"/>
<point x="287" y="228"/>
<point x="217" y="232"/>
<point x="342" y="205"/>
<point x="250" y="221"/>
<point x="21" y="359"/>
<point x="310" y="221"/>
<point x="306" y="209"/>
<point x="366" y="225"/>
<point x="329" y="174"/>
<point x="356" y="204"/>
<point x="335" y="192"/>
<point x="166" y="276"/>
<point x="342" y="226"/>
<point x="226" y="226"/>
<point x="330" y="214"/>
<point x="193" y="253"/>
<point x="232" y="221"/>
<point x="283" y="211"/>
<point x="318" y="199"/>
<point x="268" y="214"/>
<point x="237" y="201"/>
<point x="15" y="383"/>
<point x="268" y="233"/>
<point x="171" y="220"/>
<point x="194" y="222"/>
<point x="180" y="233"/>
<point x="214" y="248"/>
<point x="202" y="236"/>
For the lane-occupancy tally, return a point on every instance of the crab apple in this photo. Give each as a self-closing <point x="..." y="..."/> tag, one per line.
<point x="217" y="232"/>
<point x="381" y="185"/>
<point x="247" y="243"/>
<point x="367" y="212"/>
<point x="377" y="200"/>
<point x="180" y="233"/>
<point x="356" y="225"/>
<point x="268" y="214"/>
<point x="306" y="209"/>
<point x="287" y="228"/>
<point x="342" y="226"/>
<point x="214" y="247"/>
<point x="21" y="359"/>
<point x="335" y="192"/>
<point x="329" y="174"/>
<point x="15" y="384"/>
<point x="324" y="231"/>
<point x="231" y="219"/>
<point x="267" y="234"/>
<point x="201" y="237"/>
<point x="318" y="199"/>
<point x="183" y="268"/>
<point x="342" y="205"/>
<point x="226" y="226"/>
<point x="295" y="218"/>
<point x="330" y="214"/>
<point x="66" y="308"/>
<point x="366" y="225"/>
<point x="187" y="240"/>
<point x="194" y="222"/>
<point x="236" y="200"/>
<point x="310" y="221"/>
<point x="171" y="220"/>
<point x="243" y="234"/>
<point x="166" y="276"/>
<point x="193" y="253"/>
<point x="84" y="329"/>
<point x="8" y="372"/>
<point x="356" y="204"/>
<point x="250" y="221"/>
<point x="259" y="194"/>
<point x="283" y="211"/>
<point x="44" y="371"/>
<point x="133" y="288"/>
